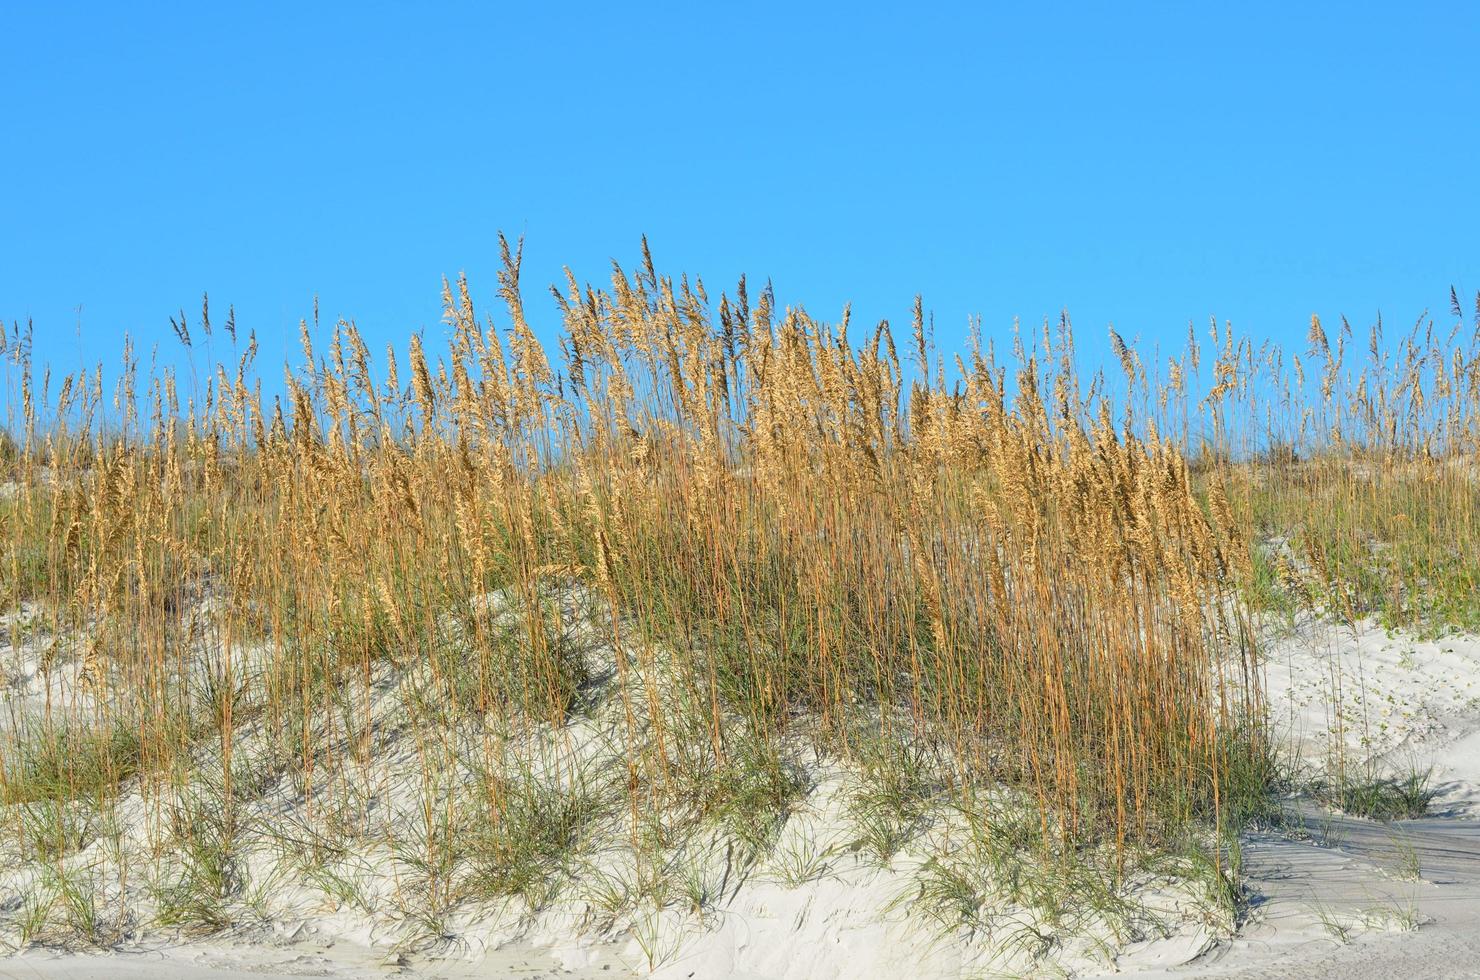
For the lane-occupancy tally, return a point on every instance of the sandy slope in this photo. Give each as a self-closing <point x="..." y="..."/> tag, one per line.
<point x="1339" y="908"/>
<point x="1342" y="900"/>
<point x="1346" y="898"/>
<point x="1344" y="904"/>
<point x="247" y="962"/>
<point x="1338" y="693"/>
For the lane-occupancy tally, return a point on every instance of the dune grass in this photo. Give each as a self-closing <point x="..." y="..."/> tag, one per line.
<point x="718" y="542"/>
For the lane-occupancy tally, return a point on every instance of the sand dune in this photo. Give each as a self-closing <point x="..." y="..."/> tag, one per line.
<point x="1329" y="896"/>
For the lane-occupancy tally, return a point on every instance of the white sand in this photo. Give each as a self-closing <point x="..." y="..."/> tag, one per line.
<point x="1343" y="903"/>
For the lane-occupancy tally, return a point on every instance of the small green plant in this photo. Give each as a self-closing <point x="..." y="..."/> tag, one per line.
<point x="76" y="892"/>
<point x="35" y="911"/>
<point x="50" y="830"/>
<point x="953" y="895"/>
<point x="1214" y="872"/>
<point x="699" y="888"/>
<point x="1404" y="862"/>
<point x="207" y="873"/>
<point x="659" y="941"/>
<point x="1337" y="927"/>
<point x="523" y="836"/>
<point x="892" y="796"/>
<point x="749" y="794"/>
<point x="1377" y="796"/>
<point x="799" y="858"/>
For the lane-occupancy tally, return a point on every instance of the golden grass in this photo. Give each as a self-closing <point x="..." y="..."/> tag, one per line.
<point x="778" y="536"/>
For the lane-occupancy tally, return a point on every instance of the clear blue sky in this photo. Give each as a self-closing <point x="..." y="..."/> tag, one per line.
<point x="1146" y="164"/>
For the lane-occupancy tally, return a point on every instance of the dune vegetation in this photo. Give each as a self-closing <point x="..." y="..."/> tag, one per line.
<point x="591" y="634"/>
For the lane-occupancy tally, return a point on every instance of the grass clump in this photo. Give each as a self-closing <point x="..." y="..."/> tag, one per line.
<point x="525" y="840"/>
<point x="753" y="794"/>
<point x="66" y="761"/>
<point x="894" y="793"/>
<point x="1378" y="796"/>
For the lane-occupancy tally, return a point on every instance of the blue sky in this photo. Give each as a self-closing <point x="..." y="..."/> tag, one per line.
<point x="1143" y="165"/>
